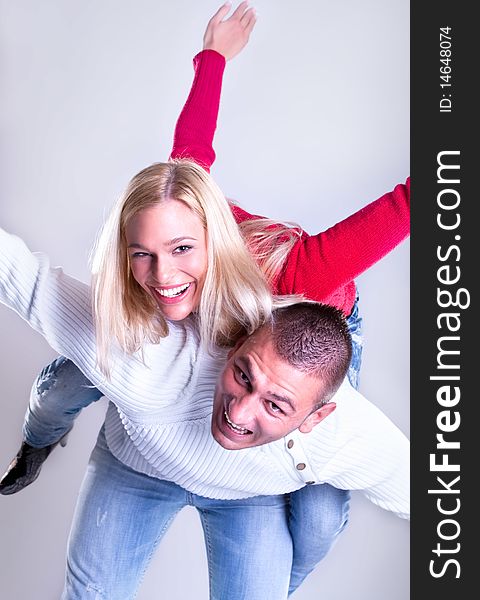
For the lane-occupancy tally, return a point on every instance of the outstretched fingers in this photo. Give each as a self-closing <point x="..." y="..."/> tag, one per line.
<point x="240" y="10"/>
<point x="229" y="35"/>
<point x="221" y="13"/>
<point x="248" y="20"/>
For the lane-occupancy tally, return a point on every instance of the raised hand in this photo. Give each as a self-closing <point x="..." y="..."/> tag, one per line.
<point x="229" y="36"/>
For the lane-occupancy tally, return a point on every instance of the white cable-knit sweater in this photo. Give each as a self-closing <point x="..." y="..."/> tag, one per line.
<point x="158" y="418"/>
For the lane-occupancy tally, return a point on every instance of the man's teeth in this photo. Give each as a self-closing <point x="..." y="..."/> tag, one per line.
<point x="237" y="428"/>
<point x="176" y="291"/>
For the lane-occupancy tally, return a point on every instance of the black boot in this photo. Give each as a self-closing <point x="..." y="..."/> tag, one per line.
<point x="25" y="467"/>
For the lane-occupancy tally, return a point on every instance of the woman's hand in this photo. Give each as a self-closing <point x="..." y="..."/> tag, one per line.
<point x="228" y="37"/>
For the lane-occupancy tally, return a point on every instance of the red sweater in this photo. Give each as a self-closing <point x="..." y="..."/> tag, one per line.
<point x="323" y="266"/>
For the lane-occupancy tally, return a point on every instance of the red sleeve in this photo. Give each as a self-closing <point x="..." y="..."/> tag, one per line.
<point x="320" y="264"/>
<point x="240" y="214"/>
<point x="317" y="265"/>
<point x="193" y="137"/>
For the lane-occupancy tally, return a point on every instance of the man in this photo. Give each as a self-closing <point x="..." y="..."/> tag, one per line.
<point x="279" y="426"/>
<point x="271" y="406"/>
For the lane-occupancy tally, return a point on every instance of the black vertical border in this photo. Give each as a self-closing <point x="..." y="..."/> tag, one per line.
<point x="432" y="132"/>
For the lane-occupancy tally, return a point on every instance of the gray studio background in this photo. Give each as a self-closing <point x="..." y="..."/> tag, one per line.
<point x="314" y="123"/>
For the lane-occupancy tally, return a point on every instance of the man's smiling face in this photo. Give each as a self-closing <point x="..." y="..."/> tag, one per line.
<point x="260" y="397"/>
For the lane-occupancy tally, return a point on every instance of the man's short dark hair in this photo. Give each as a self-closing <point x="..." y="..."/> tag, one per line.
<point x="314" y="338"/>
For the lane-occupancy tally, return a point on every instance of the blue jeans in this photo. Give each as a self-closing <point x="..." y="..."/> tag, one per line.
<point x="122" y="515"/>
<point x="317" y="515"/>
<point x="57" y="397"/>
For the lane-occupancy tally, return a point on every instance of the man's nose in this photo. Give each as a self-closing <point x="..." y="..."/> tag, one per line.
<point x="243" y="409"/>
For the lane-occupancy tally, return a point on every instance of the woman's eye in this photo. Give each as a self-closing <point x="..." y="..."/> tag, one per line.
<point x="139" y="254"/>
<point x="182" y="249"/>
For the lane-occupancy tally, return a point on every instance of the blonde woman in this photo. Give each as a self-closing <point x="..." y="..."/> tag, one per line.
<point x="171" y="249"/>
<point x="223" y="298"/>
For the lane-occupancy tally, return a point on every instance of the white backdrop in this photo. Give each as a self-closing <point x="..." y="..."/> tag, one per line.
<point x="314" y="124"/>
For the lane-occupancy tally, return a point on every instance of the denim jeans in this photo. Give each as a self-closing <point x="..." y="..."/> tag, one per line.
<point x="122" y="515"/>
<point x="317" y="514"/>
<point x="57" y="397"/>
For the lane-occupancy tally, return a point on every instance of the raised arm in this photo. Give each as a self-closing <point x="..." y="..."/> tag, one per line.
<point x="224" y="38"/>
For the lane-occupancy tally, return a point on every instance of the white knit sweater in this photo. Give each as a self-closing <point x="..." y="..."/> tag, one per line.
<point x="158" y="419"/>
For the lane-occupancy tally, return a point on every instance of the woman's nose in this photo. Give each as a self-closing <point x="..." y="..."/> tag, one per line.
<point x="163" y="270"/>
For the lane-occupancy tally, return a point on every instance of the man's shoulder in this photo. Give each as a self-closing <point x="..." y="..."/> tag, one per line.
<point x="354" y="417"/>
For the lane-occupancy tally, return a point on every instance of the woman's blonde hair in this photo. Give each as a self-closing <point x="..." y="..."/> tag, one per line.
<point x="235" y="296"/>
<point x="269" y="243"/>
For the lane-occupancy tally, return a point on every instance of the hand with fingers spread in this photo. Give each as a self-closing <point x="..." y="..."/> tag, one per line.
<point x="229" y="36"/>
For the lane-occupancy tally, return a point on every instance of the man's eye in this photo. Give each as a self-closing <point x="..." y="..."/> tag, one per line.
<point x="274" y="408"/>
<point x="139" y="254"/>
<point x="243" y="376"/>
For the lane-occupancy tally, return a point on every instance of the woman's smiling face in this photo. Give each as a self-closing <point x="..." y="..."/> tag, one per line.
<point x="167" y="249"/>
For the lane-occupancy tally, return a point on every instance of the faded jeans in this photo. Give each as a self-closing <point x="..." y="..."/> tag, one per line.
<point x="122" y="515"/>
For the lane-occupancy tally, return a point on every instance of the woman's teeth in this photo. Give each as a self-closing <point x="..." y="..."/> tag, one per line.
<point x="171" y="292"/>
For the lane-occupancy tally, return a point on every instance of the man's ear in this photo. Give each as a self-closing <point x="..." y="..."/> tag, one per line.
<point x="239" y="343"/>
<point x="317" y="416"/>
